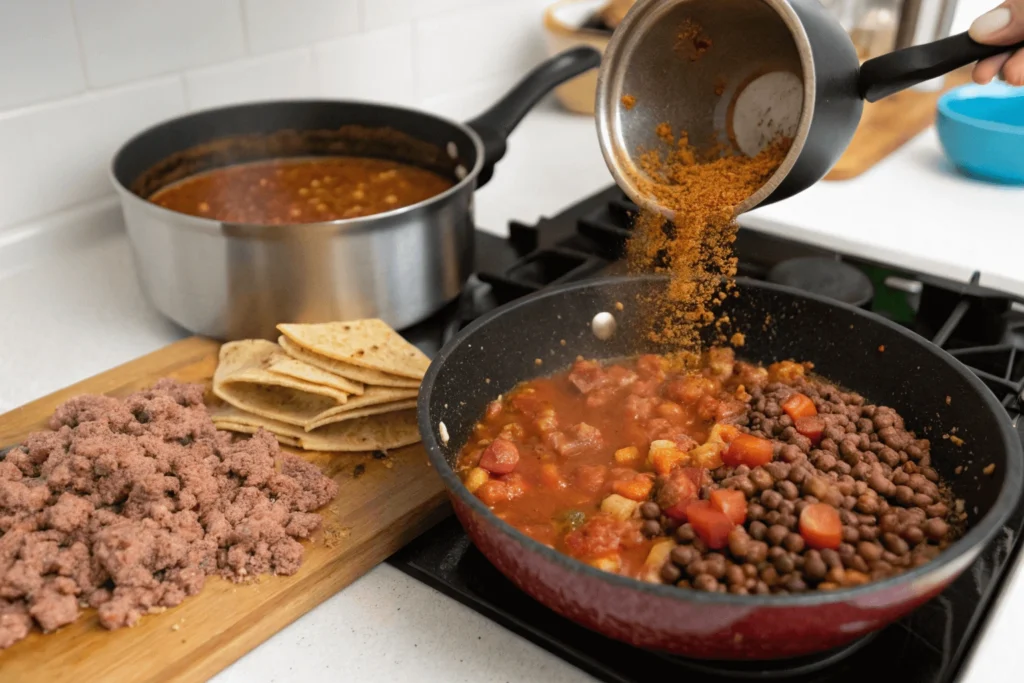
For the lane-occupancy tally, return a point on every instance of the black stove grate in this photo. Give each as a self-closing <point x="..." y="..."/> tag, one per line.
<point x="983" y="328"/>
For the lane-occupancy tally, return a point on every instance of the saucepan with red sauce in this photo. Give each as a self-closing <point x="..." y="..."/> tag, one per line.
<point x="776" y="499"/>
<point x="312" y="211"/>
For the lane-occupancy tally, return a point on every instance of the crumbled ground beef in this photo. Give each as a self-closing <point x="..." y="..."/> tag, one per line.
<point x="126" y="505"/>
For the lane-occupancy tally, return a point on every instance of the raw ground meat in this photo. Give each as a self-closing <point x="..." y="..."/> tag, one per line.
<point x="127" y="505"/>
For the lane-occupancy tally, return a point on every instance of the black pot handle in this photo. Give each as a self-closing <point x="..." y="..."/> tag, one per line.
<point x="896" y="71"/>
<point x="497" y="123"/>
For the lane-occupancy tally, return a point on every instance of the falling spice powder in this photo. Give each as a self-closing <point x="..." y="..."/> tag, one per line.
<point x="696" y="247"/>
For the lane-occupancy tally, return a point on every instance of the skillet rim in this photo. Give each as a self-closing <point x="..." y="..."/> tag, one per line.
<point x="976" y="537"/>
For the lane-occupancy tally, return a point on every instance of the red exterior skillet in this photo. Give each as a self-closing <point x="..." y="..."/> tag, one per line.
<point x="879" y="359"/>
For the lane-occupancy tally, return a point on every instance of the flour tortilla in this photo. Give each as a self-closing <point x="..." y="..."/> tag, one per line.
<point x="283" y="364"/>
<point x="366" y="343"/>
<point x="378" y="432"/>
<point x="242" y="428"/>
<point x="377" y="397"/>
<point x="227" y="414"/>
<point x="249" y="361"/>
<point x="343" y="369"/>
<point x="276" y="401"/>
<point x="392" y="407"/>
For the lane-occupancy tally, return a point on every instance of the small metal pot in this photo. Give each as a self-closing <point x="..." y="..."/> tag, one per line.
<point x="768" y="68"/>
<point x="234" y="281"/>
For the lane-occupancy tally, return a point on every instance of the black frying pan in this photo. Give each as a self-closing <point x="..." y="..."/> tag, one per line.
<point x="879" y="359"/>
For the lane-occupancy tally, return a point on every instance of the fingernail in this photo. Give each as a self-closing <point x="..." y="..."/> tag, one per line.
<point x="990" y="23"/>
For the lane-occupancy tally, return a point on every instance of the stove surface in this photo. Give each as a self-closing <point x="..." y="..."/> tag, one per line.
<point x="983" y="328"/>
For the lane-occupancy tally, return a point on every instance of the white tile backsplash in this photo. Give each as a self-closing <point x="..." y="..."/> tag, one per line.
<point x="125" y="40"/>
<point x="277" y="24"/>
<point x="79" y="77"/>
<point x="380" y="13"/>
<point x="38" y="52"/>
<point x="376" y="65"/>
<point x="282" y="75"/>
<point x="57" y="155"/>
<point x="459" y="49"/>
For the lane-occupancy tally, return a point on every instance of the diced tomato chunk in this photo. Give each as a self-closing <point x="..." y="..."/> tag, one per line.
<point x="811" y="426"/>
<point x="732" y="503"/>
<point x="798" y="405"/>
<point x="710" y="523"/>
<point x="749" y="450"/>
<point x="678" y="510"/>
<point x="500" y="457"/>
<point x="821" y="526"/>
<point x="638" y="488"/>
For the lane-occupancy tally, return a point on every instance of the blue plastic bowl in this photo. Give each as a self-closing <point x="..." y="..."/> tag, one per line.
<point x="981" y="128"/>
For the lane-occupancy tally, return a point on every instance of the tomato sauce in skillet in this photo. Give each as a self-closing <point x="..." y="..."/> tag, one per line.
<point x="735" y="478"/>
<point x="303" y="190"/>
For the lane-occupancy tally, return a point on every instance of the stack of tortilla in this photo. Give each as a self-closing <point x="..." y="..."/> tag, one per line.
<point x="345" y="386"/>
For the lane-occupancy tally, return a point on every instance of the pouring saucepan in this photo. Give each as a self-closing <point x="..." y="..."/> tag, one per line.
<point x="234" y="281"/>
<point x="758" y="69"/>
<point x="913" y="376"/>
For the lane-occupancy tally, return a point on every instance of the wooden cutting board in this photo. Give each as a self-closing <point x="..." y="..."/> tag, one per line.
<point x="890" y="123"/>
<point x="391" y="502"/>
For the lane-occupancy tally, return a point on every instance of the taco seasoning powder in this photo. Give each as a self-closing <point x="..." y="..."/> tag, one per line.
<point x="696" y="248"/>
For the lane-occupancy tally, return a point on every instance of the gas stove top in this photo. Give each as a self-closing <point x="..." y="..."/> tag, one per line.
<point x="983" y="328"/>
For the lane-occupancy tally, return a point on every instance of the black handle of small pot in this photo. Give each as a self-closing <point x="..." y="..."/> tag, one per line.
<point x="497" y="123"/>
<point x="896" y="71"/>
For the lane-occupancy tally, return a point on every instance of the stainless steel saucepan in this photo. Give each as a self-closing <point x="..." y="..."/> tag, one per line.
<point x="234" y="281"/>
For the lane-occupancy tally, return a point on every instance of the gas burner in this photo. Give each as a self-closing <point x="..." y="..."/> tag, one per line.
<point x="825" y="276"/>
<point x="777" y="669"/>
<point x="981" y="327"/>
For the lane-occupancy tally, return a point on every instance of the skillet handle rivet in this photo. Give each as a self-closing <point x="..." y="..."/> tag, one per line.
<point x="603" y="325"/>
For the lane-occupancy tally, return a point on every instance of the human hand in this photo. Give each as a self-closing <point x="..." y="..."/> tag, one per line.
<point x="1002" y="26"/>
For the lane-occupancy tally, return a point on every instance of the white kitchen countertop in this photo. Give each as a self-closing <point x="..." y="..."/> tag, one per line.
<point x="71" y="309"/>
